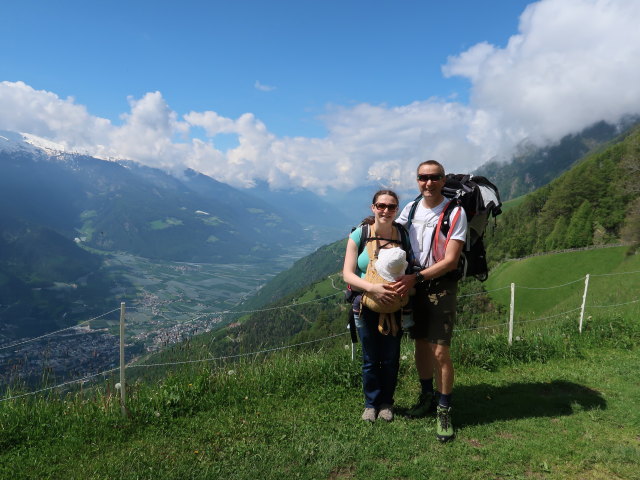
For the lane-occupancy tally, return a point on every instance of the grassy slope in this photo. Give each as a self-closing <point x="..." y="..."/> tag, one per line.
<point x="555" y="270"/>
<point x="513" y="203"/>
<point x="297" y="416"/>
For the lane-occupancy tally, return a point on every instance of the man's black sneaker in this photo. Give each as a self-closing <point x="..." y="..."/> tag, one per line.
<point x="425" y="405"/>
<point x="444" y="427"/>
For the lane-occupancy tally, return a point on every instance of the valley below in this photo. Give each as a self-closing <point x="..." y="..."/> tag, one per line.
<point x="165" y="302"/>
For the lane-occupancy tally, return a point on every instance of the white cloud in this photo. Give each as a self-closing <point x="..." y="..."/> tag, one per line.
<point x="148" y="132"/>
<point x="42" y="113"/>
<point x="263" y="88"/>
<point x="572" y="63"/>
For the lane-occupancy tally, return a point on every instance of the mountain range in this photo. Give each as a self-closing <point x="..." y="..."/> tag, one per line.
<point x="62" y="212"/>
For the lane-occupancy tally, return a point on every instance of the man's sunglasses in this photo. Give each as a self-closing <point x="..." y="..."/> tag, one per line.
<point x="425" y="177"/>
<point x="392" y="207"/>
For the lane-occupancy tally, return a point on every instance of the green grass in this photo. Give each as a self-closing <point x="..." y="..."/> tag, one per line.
<point x="550" y="284"/>
<point x="323" y="288"/>
<point x="166" y="223"/>
<point x="565" y="411"/>
<point x="514" y="202"/>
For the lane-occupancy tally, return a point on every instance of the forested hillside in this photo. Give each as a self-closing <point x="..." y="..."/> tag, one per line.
<point x="44" y="278"/>
<point x="305" y="271"/>
<point x="595" y="203"/>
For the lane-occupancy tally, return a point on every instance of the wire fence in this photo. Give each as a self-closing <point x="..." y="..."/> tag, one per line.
<point x="216" y="314"/>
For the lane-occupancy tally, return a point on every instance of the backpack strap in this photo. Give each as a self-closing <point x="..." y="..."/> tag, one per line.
<point x="412" y="210"/>
<point x="405" y="243"/>
<point x="445" y="225"/>
<point x="364" y="236"/>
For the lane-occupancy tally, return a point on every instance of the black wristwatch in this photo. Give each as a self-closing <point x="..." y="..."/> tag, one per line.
<point x="420" y="278"/>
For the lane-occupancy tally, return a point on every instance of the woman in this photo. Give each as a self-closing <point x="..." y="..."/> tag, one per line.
<point x="380" y="351"/>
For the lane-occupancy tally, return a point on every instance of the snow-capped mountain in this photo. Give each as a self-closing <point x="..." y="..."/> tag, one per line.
<point x="15" y="142"/>
<point x="128" y="207"/>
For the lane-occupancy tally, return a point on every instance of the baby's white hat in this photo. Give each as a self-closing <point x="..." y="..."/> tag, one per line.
<point x="391" y="263"/>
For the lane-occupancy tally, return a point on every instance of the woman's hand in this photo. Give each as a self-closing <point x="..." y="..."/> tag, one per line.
<point x="383" y="293"/>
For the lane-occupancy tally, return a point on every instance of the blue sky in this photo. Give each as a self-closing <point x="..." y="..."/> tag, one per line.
<point x="301" y="90"/>
<point x="209" y="55"/>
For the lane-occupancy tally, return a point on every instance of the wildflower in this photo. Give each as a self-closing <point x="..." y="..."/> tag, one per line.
<point x="404" y="357"/>
<point x="231" y="372"/>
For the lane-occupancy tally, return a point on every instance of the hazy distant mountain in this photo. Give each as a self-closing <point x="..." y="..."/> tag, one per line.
<point x="313" y="211"/>
<point x="53" y="202"/>
<point x="534" y="167"/>
<point x="124" y="206"/>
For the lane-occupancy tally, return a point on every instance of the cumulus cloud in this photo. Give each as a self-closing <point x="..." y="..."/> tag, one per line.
<point x="572" y="63"/>
<point x="44" y="114"/>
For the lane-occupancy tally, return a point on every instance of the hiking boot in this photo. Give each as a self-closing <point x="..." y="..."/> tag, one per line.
<point x="369" y="415"/>
<point x="444" y="428"/>
<point x="386" y="412"/>
<point x="426" y="404"/>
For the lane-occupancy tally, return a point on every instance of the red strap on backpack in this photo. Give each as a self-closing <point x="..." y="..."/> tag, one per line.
<point x="436" y="234"/>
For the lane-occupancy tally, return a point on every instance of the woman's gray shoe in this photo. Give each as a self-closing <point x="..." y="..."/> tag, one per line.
<point x="369" y="415"/>
<point x="386" y="412"/>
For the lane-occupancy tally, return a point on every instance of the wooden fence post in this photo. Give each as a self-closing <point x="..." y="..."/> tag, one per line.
<point x="584" y="301"/>
<point x="123" y="390"/>
<point x="511" y="312"/>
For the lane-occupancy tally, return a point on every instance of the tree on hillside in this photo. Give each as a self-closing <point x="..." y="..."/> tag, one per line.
<point x="631" y="229"/>
<point x="558" y="237"/>
<point x="630" y="164"/>
<point x="580" y="230"/>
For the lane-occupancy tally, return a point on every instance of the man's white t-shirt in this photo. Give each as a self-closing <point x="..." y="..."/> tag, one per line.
<point x="423" y="225"/>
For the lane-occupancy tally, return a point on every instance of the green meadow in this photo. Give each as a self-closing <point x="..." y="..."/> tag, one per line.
<point x="550" y="285"/>
<point x="296" y="414"/>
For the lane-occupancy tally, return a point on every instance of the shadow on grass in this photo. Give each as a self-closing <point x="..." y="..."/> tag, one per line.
<point x="483" y="403"/>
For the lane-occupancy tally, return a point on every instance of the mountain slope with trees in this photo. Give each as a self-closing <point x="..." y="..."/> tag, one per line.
<point x="594" y="203"/>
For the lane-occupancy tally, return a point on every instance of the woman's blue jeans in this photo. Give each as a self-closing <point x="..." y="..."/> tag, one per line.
<point x="380" y="360"/>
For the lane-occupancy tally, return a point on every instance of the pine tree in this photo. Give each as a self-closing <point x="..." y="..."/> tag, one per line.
<point x="580" y="230"/>
<point x="558" y="238"/>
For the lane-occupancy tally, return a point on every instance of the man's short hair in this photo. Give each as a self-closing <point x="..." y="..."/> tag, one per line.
<point x="431" y="162"/>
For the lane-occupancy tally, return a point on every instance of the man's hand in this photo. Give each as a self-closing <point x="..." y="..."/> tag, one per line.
<point x="403" y="284"/>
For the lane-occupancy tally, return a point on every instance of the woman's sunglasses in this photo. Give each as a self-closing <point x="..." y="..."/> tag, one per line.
<point x="392" y="207"/>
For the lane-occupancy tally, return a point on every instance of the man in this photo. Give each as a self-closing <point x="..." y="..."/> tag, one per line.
<point x="434" y="304"/>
